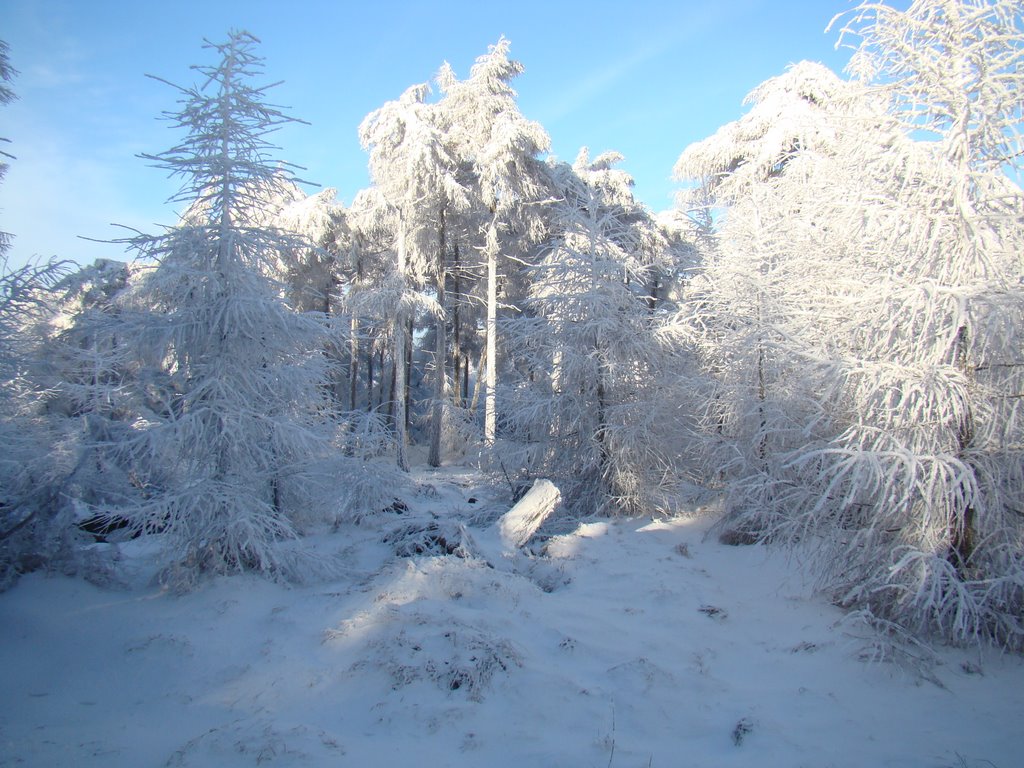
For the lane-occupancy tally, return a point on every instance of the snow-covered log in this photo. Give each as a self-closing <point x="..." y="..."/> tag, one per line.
<point x="520" y="523"/>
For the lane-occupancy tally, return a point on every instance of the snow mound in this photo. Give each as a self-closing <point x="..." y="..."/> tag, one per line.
<point x="432" y="624"/>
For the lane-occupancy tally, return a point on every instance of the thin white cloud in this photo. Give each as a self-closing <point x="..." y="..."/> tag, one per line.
<point x="594" y="85"/>
<point x="672" y="27"/>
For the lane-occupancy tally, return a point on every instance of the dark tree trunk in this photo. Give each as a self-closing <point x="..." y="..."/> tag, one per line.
<point x="409" y="329"/>
<point x="440" y="352"/>
<point x="962" y="535"/>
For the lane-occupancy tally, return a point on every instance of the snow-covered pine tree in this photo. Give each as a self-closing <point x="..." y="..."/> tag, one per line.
<point x="938" y="370"/>
<point x="7" y="95"/>
<point x="442" y="171"/>
<point x="465" y="218"/>
<point x="310" y="273"/>
<point x="316" y="272"/>
<point x="86" y="371"/>
<point x="410" y="164"/>
<point x="504" y="148"/>
<point x="28" y="467"/>
<point x="231" y="375"/>
<point x="367" y="300"/>
<point x="745" y="305"/>
<point x="891" y="265"/>
<point x="313" y="274"/>
<point x="587" y="410"/>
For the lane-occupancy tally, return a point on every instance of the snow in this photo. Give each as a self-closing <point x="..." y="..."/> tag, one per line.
<point x="628" y="642"/>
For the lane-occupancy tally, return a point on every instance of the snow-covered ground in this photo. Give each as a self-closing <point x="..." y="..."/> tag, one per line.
<point x="629" y="643"/>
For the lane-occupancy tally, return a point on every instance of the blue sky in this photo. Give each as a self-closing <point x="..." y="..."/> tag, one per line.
<point x="644" y="78"/>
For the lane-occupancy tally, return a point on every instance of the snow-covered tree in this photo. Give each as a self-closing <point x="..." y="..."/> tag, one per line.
<point x="29" y="468"/>
<point x="85" y="374"/>
<point x="7" y="95"/>
<point x="945" y="335"/>
<point x="229" y="372"/>
<point x="486" y="126"/>
<point x="409" y="162"/>
<point x="864" y="312"/>
<point x="587" y="409"/>
<point x="369" y="301"/>
<point x="314" y="272"/>
<point x="952" y="70"/>
<point x="30" y="465"/>
<point x="758" y="282"/>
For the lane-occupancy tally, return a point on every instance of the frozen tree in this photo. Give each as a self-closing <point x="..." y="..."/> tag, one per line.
<point x="29" y="468"/>
<point x="314" y="271"/>
<point x="757" y="280"/>
<point x="30" y="471"/>
<point x="455" y="223"/>
<point x="588" y="407"/>
<point x="409" y="162"/>
<point x="870" y="392"/>
<point x="372" y="297"/>
<point x="7" y="95"/>
<point x="86" y="371"/>
<point x="504" y="147"/>
<point x="946" y="332"/>
<point x="754" y="288"/>
<point x="7" y="73"/>
<point x="952" y="69"/>
<point x="311" y="271"/>
<point x="419" y="170"/>
<point x="229" y="373"/>
<point x="368" y="300"/>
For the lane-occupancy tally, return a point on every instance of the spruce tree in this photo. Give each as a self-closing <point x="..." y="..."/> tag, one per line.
<point x="231" y="376"/>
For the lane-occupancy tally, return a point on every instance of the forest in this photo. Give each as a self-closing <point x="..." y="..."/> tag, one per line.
<point x="821" y="343"/>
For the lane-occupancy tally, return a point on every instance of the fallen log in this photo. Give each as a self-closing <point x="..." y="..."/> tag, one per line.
<point x="517" y="526"/>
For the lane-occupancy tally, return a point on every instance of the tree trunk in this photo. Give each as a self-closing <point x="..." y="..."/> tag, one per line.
<point x="519" y="524"/>
<point x="440" y="354"/>
<point x="765" y="269"/>
<point x="383" y="381"/>
<point x="409" y="329"/>
<point x="480" y="373"/>
<point x="762" y="437"/>
<point x="962" y="527"/>
<point x="490" y="398"/>
<point x="353" y="365"/>
<point x="654" y="289"/>
<point x="353" y="349"/>
<point x="392" y="388"/>
<point x="457" y="331"/>
<point x="457" y="380"/>
<point x="399" y="396"/>
<point x="371" y="403"/>
<point x="604" y="456"/>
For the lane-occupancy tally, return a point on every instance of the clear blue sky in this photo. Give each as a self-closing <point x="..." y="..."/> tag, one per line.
<point x="645" y="78"/>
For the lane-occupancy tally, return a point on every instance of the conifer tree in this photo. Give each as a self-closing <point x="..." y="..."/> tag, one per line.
<point x="863" y="316"/>
<point x="28" y="468"/>
<point x="230" y="373"/>
<point x="587" y="411"/>
<point x="7" y="95"/>
<point x="503" y="147"/>
<point x="409" y="162"/>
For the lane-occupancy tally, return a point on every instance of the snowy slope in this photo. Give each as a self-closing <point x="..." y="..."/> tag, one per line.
<point x="630" y="643"/>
